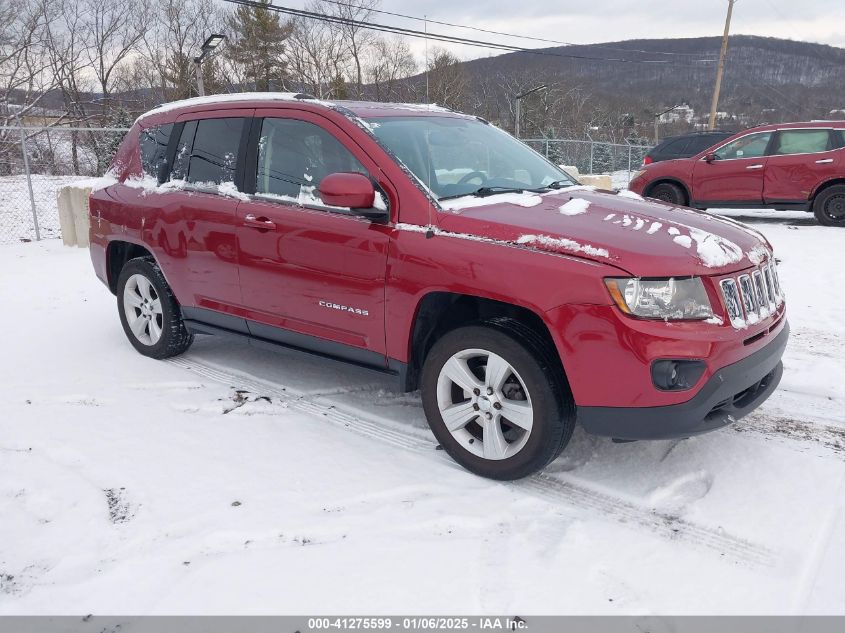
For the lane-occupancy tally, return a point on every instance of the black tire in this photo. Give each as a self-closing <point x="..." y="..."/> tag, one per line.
<point x="668" y="192"/>
<point x="551" y="400"/>
<point x="175" y="337"/>
<point x="829" y="206"/>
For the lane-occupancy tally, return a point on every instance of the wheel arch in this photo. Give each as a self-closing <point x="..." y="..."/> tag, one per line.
<point x="831" y="182"/>
<point x="439" y="312"/>
<point x="118" y="253"/>
<point x="670" y="181"/>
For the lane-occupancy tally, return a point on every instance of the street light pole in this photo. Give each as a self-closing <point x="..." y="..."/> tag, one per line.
<point x="212" y="41"/>
<point x="518" y="106"/>
<point x="200" y="84"/>
<point x="657" y="120"/>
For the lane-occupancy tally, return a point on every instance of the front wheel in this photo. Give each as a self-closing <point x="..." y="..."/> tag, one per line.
<point x="149" y="312"/>
<point x="829" y="206"/>
<point x="668" y="192"/>
<point x="493" y="403"/>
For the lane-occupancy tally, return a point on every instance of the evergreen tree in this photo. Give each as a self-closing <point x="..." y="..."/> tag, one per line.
<point x="257" y="45"/>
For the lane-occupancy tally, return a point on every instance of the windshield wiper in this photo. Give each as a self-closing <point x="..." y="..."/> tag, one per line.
<point x="558" y="184"/>
<point x="483" y="192"/>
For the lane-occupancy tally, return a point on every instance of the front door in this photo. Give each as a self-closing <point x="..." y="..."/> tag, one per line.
<point x="736" y="174"/>
<point x="310" y="276"/>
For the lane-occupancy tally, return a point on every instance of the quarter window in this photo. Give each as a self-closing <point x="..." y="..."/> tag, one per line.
<point x="749" y="146"/>
<point x="802" y="142"/>
<point x="294" y="157"/>
<point x="154" y="143"/>
<point x="183" y="151"/>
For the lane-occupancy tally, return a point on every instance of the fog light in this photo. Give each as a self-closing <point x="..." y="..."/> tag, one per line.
<point x="676" y="375"/>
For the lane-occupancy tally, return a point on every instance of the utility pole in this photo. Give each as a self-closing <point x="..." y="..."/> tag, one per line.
<point x="721" y="69"/>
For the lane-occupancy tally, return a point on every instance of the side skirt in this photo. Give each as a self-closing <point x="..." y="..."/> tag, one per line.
<point x="203" y="321"/>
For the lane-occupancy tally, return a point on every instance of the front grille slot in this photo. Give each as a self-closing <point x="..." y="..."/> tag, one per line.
<point x="751" y="297"/>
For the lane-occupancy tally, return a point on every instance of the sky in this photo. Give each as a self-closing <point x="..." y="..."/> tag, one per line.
<point x="591" y="21"/>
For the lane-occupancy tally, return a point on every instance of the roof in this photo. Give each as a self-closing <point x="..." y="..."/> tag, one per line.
<point x="364" y="109"/>
<point x="799" y="124"/>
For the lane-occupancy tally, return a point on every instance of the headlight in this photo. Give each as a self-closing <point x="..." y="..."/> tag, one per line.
<point x="671" y="299"/>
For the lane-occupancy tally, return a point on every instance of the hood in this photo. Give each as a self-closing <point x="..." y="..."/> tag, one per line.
<point x="646" y="238"/>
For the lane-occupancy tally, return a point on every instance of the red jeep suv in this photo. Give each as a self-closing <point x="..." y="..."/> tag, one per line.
<point x="432" y="245"/>
<point x="787" y="166"/>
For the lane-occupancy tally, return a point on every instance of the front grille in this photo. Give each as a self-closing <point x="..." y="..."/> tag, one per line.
<point x="749" y="298"/>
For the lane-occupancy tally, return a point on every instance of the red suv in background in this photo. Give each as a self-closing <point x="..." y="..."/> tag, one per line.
<point x="432" y="245"/>
<point x="786" y="166"/>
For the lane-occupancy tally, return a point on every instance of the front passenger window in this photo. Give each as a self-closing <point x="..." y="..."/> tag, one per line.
<point x="294" y="156"/>
<point x="749" y="146"/>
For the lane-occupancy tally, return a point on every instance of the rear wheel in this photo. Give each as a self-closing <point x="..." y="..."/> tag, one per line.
<point x="149" y="313"/>
<point x="829" y="206"/>
<point x="668" y="192"/>
<point x="493" y="403"/>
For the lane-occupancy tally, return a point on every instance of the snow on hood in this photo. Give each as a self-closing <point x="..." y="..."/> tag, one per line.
<point x="644" y="237"/>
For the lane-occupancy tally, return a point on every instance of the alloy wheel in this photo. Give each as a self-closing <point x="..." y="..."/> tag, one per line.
<point x="142" y="307"/>
<point x="485" y="404"/>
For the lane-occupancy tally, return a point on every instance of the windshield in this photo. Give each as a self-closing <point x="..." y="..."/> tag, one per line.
<point x="458" y="156"/>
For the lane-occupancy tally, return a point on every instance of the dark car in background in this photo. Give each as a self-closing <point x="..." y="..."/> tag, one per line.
<point x="685" y="145"/>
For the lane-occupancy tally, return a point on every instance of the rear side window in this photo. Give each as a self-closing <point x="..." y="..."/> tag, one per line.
<point x="675" y="146"/>
<point x="701" y="143"/>
<point x="214" y="154"/>
<point x="153" y="144"/>
<point x="802" y="142"/>
<point x="838" y="139"/>
<point x="294" y="156"/>
<point x="208" y="151"/>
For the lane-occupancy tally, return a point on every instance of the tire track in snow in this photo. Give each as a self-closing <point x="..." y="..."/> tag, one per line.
<point x="780" y="427"/>
<point x="541" y="485"/>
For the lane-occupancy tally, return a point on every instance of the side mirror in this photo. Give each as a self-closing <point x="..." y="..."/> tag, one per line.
<point x="710" y="157"/>
<point x="351" y="190"/>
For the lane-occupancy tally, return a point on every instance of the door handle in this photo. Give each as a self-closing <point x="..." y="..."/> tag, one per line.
<point x="258" y="222"/>
<point x="822" y="162"/>
<point x="754" y="167"/>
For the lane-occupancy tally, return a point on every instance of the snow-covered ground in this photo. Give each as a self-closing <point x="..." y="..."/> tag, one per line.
<point x="235" y="480"/>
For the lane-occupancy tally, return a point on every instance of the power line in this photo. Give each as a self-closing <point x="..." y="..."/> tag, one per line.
<point x="515" y="35"/>
<point x="453" y="39"/>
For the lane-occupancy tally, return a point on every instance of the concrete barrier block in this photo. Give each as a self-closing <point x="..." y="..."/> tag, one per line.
<point x="73" y="215"/>
<point x="601" y="181"/>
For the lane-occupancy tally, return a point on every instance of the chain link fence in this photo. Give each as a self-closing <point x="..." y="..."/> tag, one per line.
<point x="35" y="163"/>
<point x="619" y="160"/>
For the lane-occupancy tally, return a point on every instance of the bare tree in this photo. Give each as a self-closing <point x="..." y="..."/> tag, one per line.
<point x="24" y="67"/>
<point x="448" y="82"/>
<point x="358" y="40"/>
<point x="180" y="28"/>
<point x="316" y="55"/>
<point x="391" y="63"/>
<point x="113" y="30"/>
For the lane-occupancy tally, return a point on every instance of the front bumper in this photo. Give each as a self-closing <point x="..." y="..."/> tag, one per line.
<point x="730" y="393"/>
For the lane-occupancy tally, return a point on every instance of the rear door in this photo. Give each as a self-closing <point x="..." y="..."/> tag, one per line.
<point x="198" y="207"/>
<point x="736" y="176"/>
<point x="311" y="276"/>
<point x="800" y="160"/>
